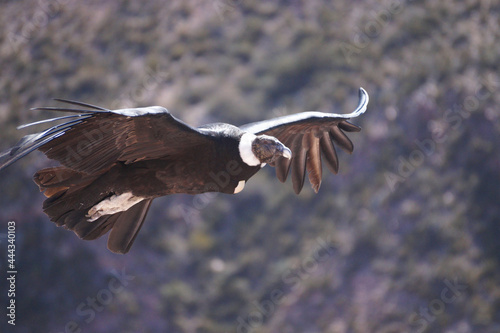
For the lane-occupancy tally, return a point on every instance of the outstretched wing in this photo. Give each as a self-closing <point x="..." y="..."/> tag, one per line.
<point x="310" y="136"/>
<point x="95" y="138"/>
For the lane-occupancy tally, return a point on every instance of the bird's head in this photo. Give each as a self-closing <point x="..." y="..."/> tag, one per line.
<point x="267" y="149"/>
<point x="260" y="149"/>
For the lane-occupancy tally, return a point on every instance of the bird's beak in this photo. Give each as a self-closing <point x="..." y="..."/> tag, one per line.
<point x="285" y="152"/>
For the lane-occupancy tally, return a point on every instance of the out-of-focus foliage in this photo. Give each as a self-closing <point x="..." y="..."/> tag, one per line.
<point x="406" y="238"/>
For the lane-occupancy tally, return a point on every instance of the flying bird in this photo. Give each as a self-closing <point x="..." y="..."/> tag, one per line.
<point x="115" y="162"/>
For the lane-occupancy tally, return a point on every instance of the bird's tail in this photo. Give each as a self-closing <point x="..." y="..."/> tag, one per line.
<point x="70" y="196"/>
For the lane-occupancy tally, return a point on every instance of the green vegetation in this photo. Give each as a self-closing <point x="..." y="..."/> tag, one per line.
<point x="406" y="238"/>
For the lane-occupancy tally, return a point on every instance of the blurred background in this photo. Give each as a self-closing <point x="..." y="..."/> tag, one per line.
<point x="406" y="238"/>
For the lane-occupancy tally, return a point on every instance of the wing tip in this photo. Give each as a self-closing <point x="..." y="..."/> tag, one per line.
<point x="316" y="187"/>
<point x="364" y="98"/>
<point x="90" y="108"/>
<point x="349" y="127"/>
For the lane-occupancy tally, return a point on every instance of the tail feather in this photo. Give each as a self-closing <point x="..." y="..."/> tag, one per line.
<point x="127" y="226"/>
<point x="71" y="194"/>
<point x="77" y="222"/>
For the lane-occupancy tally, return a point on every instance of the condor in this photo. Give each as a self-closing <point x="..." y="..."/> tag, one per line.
<point x="115" y="162"/>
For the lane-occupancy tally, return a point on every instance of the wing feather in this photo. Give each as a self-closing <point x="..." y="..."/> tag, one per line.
<point x="310" y="136"/>
<point x="86" y="105"/>
<point x="298" y="164"/>
<point x="97" y="138"/>
<point x="341" y="139"/>
<point x="313" y="162"/>
<point x="282" y="168"/>
<point x="348" y="127"/>
<point x="329" y="153"/>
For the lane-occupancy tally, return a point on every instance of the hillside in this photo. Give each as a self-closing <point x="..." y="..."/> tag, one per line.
<point x="406" y="238"/>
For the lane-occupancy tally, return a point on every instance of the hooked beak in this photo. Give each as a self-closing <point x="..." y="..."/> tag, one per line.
<point x="285" y="152"/>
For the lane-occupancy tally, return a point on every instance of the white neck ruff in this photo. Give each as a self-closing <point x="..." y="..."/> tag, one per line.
<point x="246" y="152"/>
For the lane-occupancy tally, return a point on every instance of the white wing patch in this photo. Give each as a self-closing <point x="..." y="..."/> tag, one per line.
<point x="245" y="148"/>
<point x="134" y="112"/>
<point x="113" y="205"/>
